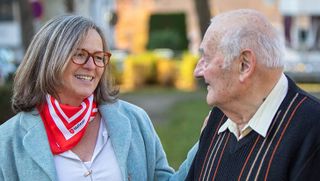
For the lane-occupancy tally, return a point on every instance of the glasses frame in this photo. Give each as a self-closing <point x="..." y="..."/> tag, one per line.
<point x="92" y="56"/>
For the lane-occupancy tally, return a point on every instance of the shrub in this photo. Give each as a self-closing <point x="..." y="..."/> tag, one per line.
<point x="166" y="71"/>
<point x="185" y="79"/>
<point x="167" y="38"/>
<point x="151" y="68"/>
<point x="5" y="96"/>
<point x="168" y="31"/>
<point x="139" y="70"/>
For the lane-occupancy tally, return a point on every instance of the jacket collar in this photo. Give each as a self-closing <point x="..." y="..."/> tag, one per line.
<point x="36" y="144"/>
<point x="117" y="123"/>
<point x="119" y="129"/>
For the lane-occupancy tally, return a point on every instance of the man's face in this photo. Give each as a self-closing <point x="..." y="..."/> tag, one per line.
<point x="219" y="79"/>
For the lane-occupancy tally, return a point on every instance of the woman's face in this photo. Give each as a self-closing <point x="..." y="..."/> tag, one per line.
<point x="80" y="81"/>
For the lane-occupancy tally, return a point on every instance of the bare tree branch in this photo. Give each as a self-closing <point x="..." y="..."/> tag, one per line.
<point x="204" y="15"/>
<point x="26" y="17"/>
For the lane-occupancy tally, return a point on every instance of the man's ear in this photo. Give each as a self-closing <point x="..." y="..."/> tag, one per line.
<point x="247" y="64"/>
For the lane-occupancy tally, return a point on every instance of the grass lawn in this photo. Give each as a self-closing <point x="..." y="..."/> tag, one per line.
<point x="182" y="129"/>
<point x="178" y="123"/>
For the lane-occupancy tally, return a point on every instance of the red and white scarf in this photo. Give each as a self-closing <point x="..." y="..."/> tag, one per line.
<point x="65" y="125"/>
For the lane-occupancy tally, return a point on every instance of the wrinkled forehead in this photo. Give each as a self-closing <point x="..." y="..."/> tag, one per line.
<point x="229" y="22"/>
<point x="249" y="20"/>
<point x="211" y="39"/>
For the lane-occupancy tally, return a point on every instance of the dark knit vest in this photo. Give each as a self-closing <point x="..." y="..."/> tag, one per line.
<point x="290" y="151"/>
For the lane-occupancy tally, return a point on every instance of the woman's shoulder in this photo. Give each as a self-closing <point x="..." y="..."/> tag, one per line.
<point x="123" y="110"/>
<point x="9" y="128"/>
<point x="130" y="106"/>
<point x="122" y="105"/>
<point x="21" y="121"/>
<point x="12" y="122"/>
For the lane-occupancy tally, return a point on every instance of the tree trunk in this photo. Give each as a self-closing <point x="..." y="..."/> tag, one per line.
<point x="204" y="15"/>
<point x="26" y="18"/>
<point x="69" y="4"/>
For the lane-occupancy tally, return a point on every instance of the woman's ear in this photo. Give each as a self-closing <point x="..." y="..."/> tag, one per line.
<point x="247" y="64"/>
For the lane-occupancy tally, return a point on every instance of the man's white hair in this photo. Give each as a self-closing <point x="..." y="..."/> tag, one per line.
<point x="249" y="29"/>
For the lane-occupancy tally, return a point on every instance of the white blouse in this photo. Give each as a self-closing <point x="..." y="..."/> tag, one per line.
<point x="103" y="164"/>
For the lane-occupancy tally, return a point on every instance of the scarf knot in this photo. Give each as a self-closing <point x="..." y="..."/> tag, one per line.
<point x="65" y="125"/>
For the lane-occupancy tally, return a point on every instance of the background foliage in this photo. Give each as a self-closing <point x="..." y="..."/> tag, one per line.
<point x="168" y="31"/>
<point x="5" y="111"/>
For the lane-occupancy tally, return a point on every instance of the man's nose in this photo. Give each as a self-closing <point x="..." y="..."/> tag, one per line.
<point x="198" y="71"/>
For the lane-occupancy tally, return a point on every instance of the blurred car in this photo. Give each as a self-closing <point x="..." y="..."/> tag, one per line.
<point x="303" y="66"/>
<point x="7" y="62"/>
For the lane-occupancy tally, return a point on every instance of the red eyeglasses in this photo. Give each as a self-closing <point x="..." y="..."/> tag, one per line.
<point x="100" y="58"/>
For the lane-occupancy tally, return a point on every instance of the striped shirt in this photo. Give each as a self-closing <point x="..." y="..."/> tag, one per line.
<point x="261" y="120"/>
<point x="289" y="151"/>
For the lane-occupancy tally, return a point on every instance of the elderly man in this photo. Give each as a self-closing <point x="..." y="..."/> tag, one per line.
<point x="262" y="126"/>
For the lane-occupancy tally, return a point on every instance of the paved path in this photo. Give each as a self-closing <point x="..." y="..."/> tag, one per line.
<point x="156" y="104"/>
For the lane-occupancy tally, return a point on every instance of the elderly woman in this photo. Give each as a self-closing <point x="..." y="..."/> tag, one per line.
<point x="69" y="123"/>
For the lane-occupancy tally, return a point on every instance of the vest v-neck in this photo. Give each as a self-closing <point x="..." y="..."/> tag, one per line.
<point x="234" y="145"/>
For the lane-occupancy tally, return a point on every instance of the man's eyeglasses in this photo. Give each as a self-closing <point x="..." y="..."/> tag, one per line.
<point x="100" y="58"/>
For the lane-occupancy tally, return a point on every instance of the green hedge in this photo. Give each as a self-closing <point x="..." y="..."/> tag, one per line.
<point x="5" y="105"/>
<point x="168" y="31"/>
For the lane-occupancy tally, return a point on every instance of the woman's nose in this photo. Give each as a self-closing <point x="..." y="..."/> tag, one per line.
<point x="90" y="63"/>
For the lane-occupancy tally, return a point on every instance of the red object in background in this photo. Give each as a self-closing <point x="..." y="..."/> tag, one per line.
<point x="37" y="8"/>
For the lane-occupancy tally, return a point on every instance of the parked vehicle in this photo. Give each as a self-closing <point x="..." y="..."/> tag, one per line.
<point x="303" y="66"/>
<point x="10" y="39"/>
<point x="7" y="62"/>
<point x="302" y="34"/>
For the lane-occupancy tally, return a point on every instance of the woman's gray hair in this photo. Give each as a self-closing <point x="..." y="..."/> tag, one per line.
<point x="46" y="58"/>
<point x="251" y="31"/>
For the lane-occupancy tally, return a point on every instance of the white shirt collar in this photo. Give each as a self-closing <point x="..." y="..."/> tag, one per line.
<point x="103" y="165"/>
<point x="102" y="139"/>
<point x="261" y="120"/>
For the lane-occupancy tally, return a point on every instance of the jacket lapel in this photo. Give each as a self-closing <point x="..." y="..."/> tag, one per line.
<point x="36" y="144"/>
<point x="119" y="129"/>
